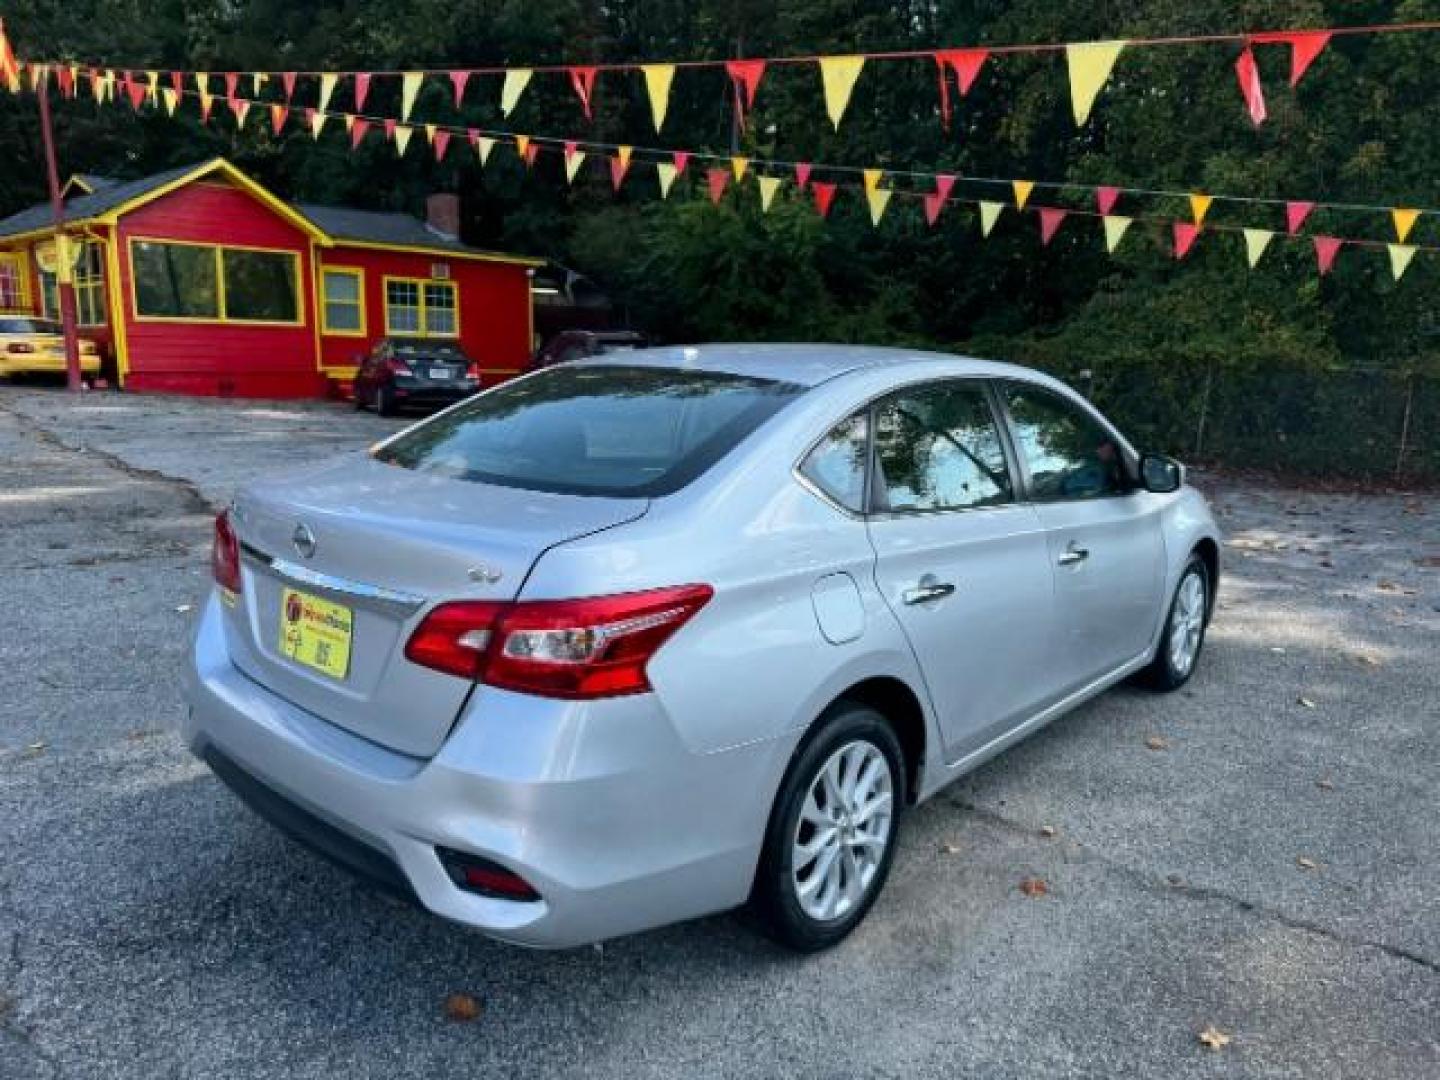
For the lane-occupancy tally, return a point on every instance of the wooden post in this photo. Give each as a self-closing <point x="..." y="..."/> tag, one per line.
<point x="64" y="263"/>
<point x="1405" y="428"/>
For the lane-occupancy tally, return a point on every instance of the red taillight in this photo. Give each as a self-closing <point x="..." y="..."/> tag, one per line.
<point x="19" y="348"/>
<point x="225" y="554"/>
<point x="473" y="372"/>
<point x="591" y="648"/>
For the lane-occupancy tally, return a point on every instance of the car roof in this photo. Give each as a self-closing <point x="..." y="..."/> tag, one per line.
<point x="808" y="365"/>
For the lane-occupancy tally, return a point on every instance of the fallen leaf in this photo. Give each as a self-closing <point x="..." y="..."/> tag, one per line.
<point x="1047" y="831"/>
<point x="1155" y="742"/>
<point x="1174" y="879"/>
<point x="462" y="1008"/>
<point x="1214" y="1038"/>
<point x="1387" y="586"/>
<point x="1325" y="784"/>
<point x="1034" y="887"/>
<point x="1307" y="864"/>
<point x="1305" y="701"/>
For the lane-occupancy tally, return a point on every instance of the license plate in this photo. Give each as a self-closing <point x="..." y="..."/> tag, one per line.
<point x="315" y="632"/>
<point x="439" y="373"/>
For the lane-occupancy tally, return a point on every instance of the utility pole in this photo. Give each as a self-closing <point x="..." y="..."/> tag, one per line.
<point x="64" y="264"/>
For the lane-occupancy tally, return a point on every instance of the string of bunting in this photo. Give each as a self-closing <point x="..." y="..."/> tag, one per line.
<point x="1089" y="66"/>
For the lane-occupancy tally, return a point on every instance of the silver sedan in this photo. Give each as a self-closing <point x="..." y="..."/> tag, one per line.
<point x="650" y="636"/>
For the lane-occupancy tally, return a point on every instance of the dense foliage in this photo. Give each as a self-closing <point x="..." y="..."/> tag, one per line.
<point x="1301" y="371"/>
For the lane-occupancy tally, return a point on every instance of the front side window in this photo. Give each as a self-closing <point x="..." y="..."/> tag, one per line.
<point x="260" y="286"/>
<point x="611" y="430"/>
<point x="175" y="281"/>
<point x="14" y="296"/>
<point x="89" y="283"/>
<point x="1068" y="454"/>
<point x="938" y="447"/>
<point x="421" y="308"/>
<point x="343" y="294"/>
<point x="837" y="464"/>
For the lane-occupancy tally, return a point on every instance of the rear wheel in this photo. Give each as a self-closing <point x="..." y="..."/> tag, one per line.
<point x="1184" y="635"/>
<point x="385" y="401"/>
<point x="831" y="836"/>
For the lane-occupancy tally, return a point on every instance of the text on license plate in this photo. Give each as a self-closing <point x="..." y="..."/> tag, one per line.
<point x="315" y="632"/>
<point x="439" y="373"/>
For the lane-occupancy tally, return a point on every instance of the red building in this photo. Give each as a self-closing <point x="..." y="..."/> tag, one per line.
<point x="200" y="281"/>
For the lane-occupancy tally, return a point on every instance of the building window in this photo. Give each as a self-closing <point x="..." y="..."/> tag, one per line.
<point x="208" y="283"/>
<point x="343" y="292"/>
<point x="89" y="282"/>
<point x="14" y="296"/>
<point x="415" y="308"/>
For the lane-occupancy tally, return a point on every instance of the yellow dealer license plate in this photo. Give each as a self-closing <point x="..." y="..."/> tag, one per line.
<point x="315" y="632"/>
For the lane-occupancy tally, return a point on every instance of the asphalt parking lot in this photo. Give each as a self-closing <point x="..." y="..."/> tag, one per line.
<point x="1259" y="854"/>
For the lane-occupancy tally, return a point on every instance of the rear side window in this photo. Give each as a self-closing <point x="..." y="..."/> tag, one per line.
<point x="837" y="464"/>
<point x="607" y="430"/>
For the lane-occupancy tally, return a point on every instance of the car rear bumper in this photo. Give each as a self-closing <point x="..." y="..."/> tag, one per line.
<point x="40" y="364"/>
<point x="615" y="823"/>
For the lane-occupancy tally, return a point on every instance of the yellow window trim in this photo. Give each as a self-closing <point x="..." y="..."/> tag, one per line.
<point x="420" y="284"/>
<point x="78" y="284"/>
<point x="21" y="265"/>
<point x="222" y="319"/>
<point x="358" y="273"/>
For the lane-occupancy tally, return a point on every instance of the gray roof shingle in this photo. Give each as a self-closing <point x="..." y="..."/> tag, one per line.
<point x="81" y="207"/>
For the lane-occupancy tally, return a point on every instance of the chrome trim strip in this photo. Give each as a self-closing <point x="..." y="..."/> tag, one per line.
<point x="353" y="592"/>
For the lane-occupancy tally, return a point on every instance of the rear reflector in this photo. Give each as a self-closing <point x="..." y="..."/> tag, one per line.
<point x="477" y="875"/>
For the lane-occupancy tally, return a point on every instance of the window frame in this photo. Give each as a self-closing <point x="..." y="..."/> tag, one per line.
<point x="420" y="285"/>
<point x="221" y="289"/>
<point x="1129" y="459"/>
<point x="20" y="263"/>
<point x="82" y="282"/>
<point x="358" y="273"/>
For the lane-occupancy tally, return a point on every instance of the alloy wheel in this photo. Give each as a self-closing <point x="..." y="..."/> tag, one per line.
<point x="1187" y="623"/>
<point x="843" y="831"/>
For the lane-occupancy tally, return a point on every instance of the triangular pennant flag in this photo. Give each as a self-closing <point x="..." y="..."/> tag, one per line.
<point x="359" y="128"/>
<point x="1090" y="64"/>
<point x="483" y="146"/>
<point x="1115" y="228"/>
<point x="1185" y="234"/>
<point x="1400" y="256"/>
<point x="65" y="76"/>
<point x="619" y="166"/>
<point x="1200" y="206"/>
<point x="232" y="87"/>
<point x="667" y="172"/>
<point x="574" y="158"/>
<point x="362" y="89"/>
<point x="317" y="121"/>
<point x="1295" y="215"/>
<point x="388" y="126"/>
<point x="745" y="77"/>
<point x="802" y="174"/>
<point x="402" y="138"/>
<point x="1050" y="220"/>
<point x="349" y="119"/>
<point x="824" y="195"/>
<point x="1022" y="189"/>
<point x="1326" y="248"/>
<point x="171" y="99"/>
<point x="658" y="78"/>
<point x="582" y="79"/>
<point x="1305" y="46"/>
<point x="989" y="214"/>
<point x="1404" y="222"/>
<point x="879" y="199"/>
<point x="516" y="79"/>
<point x="532" y="150"/>
<point x="431" y="130"/>
<point x="769" y="185"/>
<point x="328" y="82"/>
<point x="241" y="108"/>
<point x="278" y="115"/>
<point x="39" y="73"/>
<point x="1256" y="241"/>
<point x="202" y="86"/>
<point x="409" y="90"/>
<point x="9" y="66"/>
<point x="258" y="79"/>
<point x="738" y="165"/>
<point x="838" y="75"/>
<point x="135" y="91"/>
<point x="1248" y="75"/>
<point x="682" y="160"/>
<point x="717" y="179"/>
<point x="623" y="154"/>
<point x="935" y="203"/>
<point x="287" y="81"/>
<point x="522" y="147"/>
<point x="1106" y="198"/>
<point x="458" y="81"/>
<point x="966" y="64"/>
<point x="440" y="143"/>
<point x="871" y="178"/>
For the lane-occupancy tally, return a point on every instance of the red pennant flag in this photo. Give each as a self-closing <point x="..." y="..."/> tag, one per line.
<point x="1050" y="219"/>
<point x="1106" y="198"/>
<point x="1295" y="215"/>
<point x="583" y="80"/>
<point x="1185" y="234"/>
<point x="717" y="179"/>
<point x="66" y="80"/>
<point x="389" y="125"/>
<point x="934" y="204"/>
<point x="681" y="159"/>
<point x="362" y="89"/>
<point x="531" y="149"/>
<point x="232" y="85"/>
<point x="134" y="90"/>
<point x="287" y="80"/>
<point x="177" y="83"/>
<point x="745" y="76"/>
<point x="442" y="143"/>
<point x="278" y="115"/>
<point x="824" y="195"/>
<point x="1305" y="46"/>
<point x="966" y="64"/>
<point x="802" y="174"/>
<point x="1249" y="76"/>
<point x="358" y="130"/>
<point x="1326" y="248"/>
<point x="618" y="168"/>
<point x="459" y="79"/>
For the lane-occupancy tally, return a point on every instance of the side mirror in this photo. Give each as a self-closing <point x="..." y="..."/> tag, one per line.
<point x="1161" y="474"/>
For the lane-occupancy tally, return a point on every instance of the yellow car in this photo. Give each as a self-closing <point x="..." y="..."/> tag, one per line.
<point x="29" y="345"/>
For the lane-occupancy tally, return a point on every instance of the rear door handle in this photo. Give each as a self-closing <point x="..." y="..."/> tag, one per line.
<point x="928" y="589"/>
<point x="1073" y="555"/>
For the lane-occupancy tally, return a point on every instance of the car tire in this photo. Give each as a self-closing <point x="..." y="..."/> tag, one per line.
<point x="1188" y="614"/>
<point x="812" y="904"/>
<point x="385" y="401"/>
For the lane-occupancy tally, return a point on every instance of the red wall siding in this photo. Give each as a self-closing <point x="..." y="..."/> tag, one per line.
<point x="227" y="359"/>
<point x="493" y="300"/>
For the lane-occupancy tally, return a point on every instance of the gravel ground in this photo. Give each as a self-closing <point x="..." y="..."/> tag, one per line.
<point x="152" y="927"/>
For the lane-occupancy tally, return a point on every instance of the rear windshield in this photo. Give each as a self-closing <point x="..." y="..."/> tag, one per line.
<point x="28" y="326"/>
<point x="594" y="430"/>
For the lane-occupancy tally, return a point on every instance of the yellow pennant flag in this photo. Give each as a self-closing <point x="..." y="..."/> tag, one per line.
<point x="667" y="172"/>
<point x="1400" y="256"/>
<point x="107" y="87"/>
<point x="257" y="82"/>
<point x="152" y="87"/>
<point x="1115" y="227"/>
<point x="573" y="161"/>
<point x="658" y="78"/>
<point x="838" y="73"/>
<point x="1256" y="241"/>
<point x="516" y="79"/>
<point x="402" y="138"/>
<point x="879" y="199"/>
<point x="317" y="123"/>
<point x="327" y="90"/>
<point x="38" y="75"/>
<point x="409" y="90"/>
<point x="1090" y="65"/>
<point x="872" y="179"/>
<point x="769" y="185"/>
<point x="1404" y="222"/>
<point x="623" y="153"/>
<point x="172" y="99"/>
<point x="242" y="110"/>
<point x="202" y="84"/>
<point x="738" y="165"/>
<point x="989" y="214"/>
<point x="349" y="121"/>
<point x="522" y="147"/>
<point x="483" y="146"/>
<point x="1022" y="188"/>
<point x="1200" y="206"/>
<point x="430" y="130"/>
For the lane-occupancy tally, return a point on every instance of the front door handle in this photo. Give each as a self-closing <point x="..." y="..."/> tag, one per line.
<point x="1073" y="556"/>
<point x="928" y="589"/>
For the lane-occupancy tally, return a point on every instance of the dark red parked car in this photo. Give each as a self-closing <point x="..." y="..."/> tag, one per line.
<point x="414" y="373"/>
